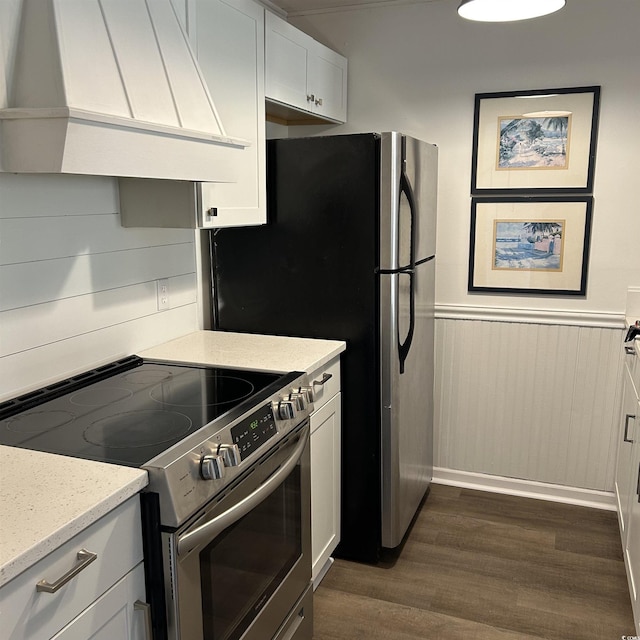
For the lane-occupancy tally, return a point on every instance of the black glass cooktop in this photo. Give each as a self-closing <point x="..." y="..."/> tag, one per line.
<point x="126" y="412"/>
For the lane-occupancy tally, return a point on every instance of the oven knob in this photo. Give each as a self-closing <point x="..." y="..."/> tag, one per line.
<point x="285" y="409"/>
<point x="299" y="400"/>
<point x="230" y="454"/>
<point x="308" y="394"/>
<point x="211" y="467"/>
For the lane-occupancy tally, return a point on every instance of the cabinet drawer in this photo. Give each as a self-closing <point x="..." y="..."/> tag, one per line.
<point x="632" y="360"/>
<point x="325" y="381"/>
<point x="34" y="615"/>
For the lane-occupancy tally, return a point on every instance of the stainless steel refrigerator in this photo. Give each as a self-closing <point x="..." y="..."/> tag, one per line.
<point x="348" y="253"/>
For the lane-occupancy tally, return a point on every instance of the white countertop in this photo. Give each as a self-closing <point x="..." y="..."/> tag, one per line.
<point x="248" y="351"/>
<point x="46" y="499"/>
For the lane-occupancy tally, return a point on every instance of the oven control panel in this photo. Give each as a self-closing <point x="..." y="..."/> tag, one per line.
<point x="207" y="461"/>
<point x="254" y="431"/>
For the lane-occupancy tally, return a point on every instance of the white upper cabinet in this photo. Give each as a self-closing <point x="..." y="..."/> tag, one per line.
<point x="229" y="41"/>
<point x="228" y="38"/>
<point x="304" y="80"/>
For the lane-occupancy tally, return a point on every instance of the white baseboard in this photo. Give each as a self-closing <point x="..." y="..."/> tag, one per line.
<point x="526" y="488"/>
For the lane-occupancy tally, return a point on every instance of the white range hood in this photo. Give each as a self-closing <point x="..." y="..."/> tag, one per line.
<point x="111" y="87"/>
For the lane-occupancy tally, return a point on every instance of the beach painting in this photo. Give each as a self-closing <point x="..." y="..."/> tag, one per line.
<point x="533" y="142"/>
<point x="528" y="246"/>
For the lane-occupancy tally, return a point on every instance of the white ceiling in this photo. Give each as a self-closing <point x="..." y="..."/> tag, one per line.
<point x="299" y="7"/>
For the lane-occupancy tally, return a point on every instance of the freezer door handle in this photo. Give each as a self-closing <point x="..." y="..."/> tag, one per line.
<point x="405" y="187"/>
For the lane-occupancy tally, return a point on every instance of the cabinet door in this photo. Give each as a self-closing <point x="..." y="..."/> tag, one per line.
<point x="327" y="82"/>
<point x="113" y="615"/>
<point x="229" y="41"/>
<point x="632" y="551"/>
<point x="228" y="38"/>
<point x="286" y="51"/>
<point x="325" y="485"/>
<point x="624" y="471"/>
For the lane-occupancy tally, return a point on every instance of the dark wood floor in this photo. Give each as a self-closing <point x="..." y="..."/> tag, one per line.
<point x="485" y="566"/>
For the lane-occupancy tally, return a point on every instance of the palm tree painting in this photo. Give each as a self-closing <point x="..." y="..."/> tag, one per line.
<point x="534" y="142"/>
<point x="528" y="246"/>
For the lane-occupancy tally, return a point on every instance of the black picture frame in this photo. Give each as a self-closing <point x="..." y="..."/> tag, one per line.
<point x="539" y="141"/>
<point x="530" y="245"/>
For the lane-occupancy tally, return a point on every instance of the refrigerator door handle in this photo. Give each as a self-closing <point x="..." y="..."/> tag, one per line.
<point x="404" y="347"/>
<point x="405" y="187"/>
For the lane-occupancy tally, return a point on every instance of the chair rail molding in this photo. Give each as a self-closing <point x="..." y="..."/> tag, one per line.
<point x="599" y="319"/>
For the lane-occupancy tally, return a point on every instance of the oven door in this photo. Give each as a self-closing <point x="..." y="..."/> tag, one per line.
<point x="241" y="566"/>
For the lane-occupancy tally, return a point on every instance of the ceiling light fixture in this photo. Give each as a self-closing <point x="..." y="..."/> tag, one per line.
<point x="507" y="10"/>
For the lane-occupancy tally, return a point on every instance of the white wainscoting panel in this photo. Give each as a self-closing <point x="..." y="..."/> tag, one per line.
<point x="76" y="288"/>
<point x="528" y="400"/>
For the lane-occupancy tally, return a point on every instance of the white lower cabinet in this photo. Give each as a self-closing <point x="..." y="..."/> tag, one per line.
<point x="325" y="468"/>
<point x="632" y="551"/>
<point x="98" y="599"/>
<point x="627" y="480"/>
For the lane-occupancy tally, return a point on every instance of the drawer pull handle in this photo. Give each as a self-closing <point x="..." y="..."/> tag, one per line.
<point x="325" y="378"/>
<point x="145" y="607"/>
<point x="626" y="427"/>
<point x="630" y="351"/>
<point x="85" y="558"/>
<point x="295" y="625"/>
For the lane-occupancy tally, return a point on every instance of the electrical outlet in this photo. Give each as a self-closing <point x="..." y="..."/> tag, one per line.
<point x="163" y="294"/>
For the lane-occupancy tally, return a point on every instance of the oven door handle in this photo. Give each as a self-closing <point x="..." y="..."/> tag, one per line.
<point x="210" y="530"/>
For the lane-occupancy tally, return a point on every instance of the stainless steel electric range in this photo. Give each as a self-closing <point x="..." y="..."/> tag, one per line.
<point x="226" y="514"/>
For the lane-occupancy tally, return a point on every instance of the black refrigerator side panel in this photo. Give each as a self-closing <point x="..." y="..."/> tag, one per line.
<point x="310" y="272"/>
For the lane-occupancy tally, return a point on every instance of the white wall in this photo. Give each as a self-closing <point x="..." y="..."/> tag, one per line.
<point x="76" y="288"/>
<point x="523" y="390"/>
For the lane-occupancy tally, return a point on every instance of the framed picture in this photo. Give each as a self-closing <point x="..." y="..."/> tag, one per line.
<point x="542" y="141"/>
<point x="532" y="245"/>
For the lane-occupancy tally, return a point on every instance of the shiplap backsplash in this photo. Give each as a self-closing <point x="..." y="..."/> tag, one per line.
<point x="524" y="400"/>
<point x="76" y="288"/>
